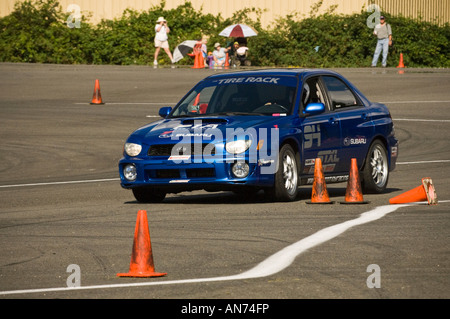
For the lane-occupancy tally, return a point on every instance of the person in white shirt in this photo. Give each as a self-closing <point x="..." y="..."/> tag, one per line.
<point x="161" y="39"/>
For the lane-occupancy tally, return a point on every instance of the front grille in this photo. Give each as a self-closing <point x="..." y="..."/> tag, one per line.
<point x="182" y="173"/>
<point x="200" y="172"/>
<point x="181" y="149"/>
<point x="167" y="173"/>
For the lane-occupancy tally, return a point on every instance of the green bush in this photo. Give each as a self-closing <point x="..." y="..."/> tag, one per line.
<point x="37" y="31"/>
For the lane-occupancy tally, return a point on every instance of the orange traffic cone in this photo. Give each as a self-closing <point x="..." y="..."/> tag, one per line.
<point x="400" y="63"/>
<point x="423" y="192"/>
<point x="97" y="98"/>
<point x="227" y="62"/>
<point x="319" y="189"/>
<point x="353" y="194"/>
<point x="141" y="264"/>
<point x="199" y="62"/>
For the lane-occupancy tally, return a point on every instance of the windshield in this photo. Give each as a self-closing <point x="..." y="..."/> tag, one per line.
<point x="245" y="95"/>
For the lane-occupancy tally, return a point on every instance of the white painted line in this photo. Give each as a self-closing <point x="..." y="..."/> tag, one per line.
<point x="272" y="265"/>
<point x="423" y="162"/>
<point x="406" y="102"/>
<point x="421" y="120"/>
<point x="131" y="103"/>
<point x="118" y="179"/>
<point x="60" y="183"/>
<point x="173" y="103"/>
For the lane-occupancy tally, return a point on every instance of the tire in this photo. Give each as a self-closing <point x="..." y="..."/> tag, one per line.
<point x="286" y="178"/>
<point x="148" y="195"/>
<point x="376" y="169"/>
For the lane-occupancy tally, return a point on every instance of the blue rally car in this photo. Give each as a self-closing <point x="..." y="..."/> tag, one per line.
<point x="261" y="130"/>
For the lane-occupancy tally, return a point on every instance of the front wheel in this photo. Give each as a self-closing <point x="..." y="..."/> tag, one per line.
<point x="286" y="178"/>
<point x="376" y="169"/>
<point x="148" y="195"/>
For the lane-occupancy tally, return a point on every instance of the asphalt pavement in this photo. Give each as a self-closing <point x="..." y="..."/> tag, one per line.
<point x="61" y="203"/>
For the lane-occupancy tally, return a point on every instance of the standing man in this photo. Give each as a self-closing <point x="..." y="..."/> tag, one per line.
<point x="161" y="39"/>
<point x="384" y="34"/>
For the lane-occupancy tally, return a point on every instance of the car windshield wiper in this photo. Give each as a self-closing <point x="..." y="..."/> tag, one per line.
<point x="183" y="115"/>
<point x="219" y="113"/>
<point x="236" y="113"/>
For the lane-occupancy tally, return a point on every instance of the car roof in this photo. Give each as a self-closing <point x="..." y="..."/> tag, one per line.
<point x="274" y="72"/>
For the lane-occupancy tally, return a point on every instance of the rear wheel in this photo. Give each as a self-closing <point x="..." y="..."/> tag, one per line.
<point x="286" y="177"/>
<point x="376" y="169"/>
<point x="148" y="195"/>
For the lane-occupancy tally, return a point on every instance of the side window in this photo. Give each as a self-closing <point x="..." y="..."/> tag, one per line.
<point x="312" y="92"/>
<point x="340" y="94"/>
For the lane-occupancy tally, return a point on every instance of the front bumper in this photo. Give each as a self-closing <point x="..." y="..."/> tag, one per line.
<point x="178" y="176"/>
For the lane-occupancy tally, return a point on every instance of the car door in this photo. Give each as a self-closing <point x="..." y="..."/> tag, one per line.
<point x="355" y="123"/>
<point x="321" y="132"/>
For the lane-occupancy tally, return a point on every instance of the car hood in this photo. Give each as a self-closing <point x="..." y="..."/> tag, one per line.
<point x="207" y="127"/>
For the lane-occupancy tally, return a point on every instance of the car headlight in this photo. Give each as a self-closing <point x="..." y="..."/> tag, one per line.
<point x="240" y="169"/>
<point x="237" y="147"/>
<point x="133" y="149"/>
<point x="130" y="172"/>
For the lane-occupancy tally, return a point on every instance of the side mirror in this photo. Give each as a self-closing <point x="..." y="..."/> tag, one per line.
<point x="314" y="108"/>
<point x="164" y="111"/>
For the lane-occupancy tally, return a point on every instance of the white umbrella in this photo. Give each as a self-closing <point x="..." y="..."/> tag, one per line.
<point x="238" y="31"/>
<point x="183" y="49"/>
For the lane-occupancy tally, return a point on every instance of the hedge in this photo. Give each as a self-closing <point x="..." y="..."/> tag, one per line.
<point x="37" y="31"/>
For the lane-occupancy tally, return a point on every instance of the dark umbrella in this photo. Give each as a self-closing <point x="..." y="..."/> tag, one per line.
<point x="183" y="49"/>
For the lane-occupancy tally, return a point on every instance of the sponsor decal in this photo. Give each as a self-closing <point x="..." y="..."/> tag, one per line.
<point x="185" y="130"/>
<point x="394" y="151"/>
<point x="330" y="179"/>
<point x="179" y="157"/>
<point x="311" y="133"/>
<point x="328" y="168"/>
<point x="329" y="159"/>
<point x="193" y="135"/>
<point x="355" y="141"/>
<point x="166" y="134"/>
<point x="328" y="156"/>
<point x="250" y="79"/>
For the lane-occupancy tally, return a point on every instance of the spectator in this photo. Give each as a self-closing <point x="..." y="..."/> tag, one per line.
<point x="219" y="55"/>
<point x="232" y="49"/>
<point x="205" y="50"/>
<point x="383" y="33"/>
<point x="161" y="39"/>
<point x="210" y="60"/>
